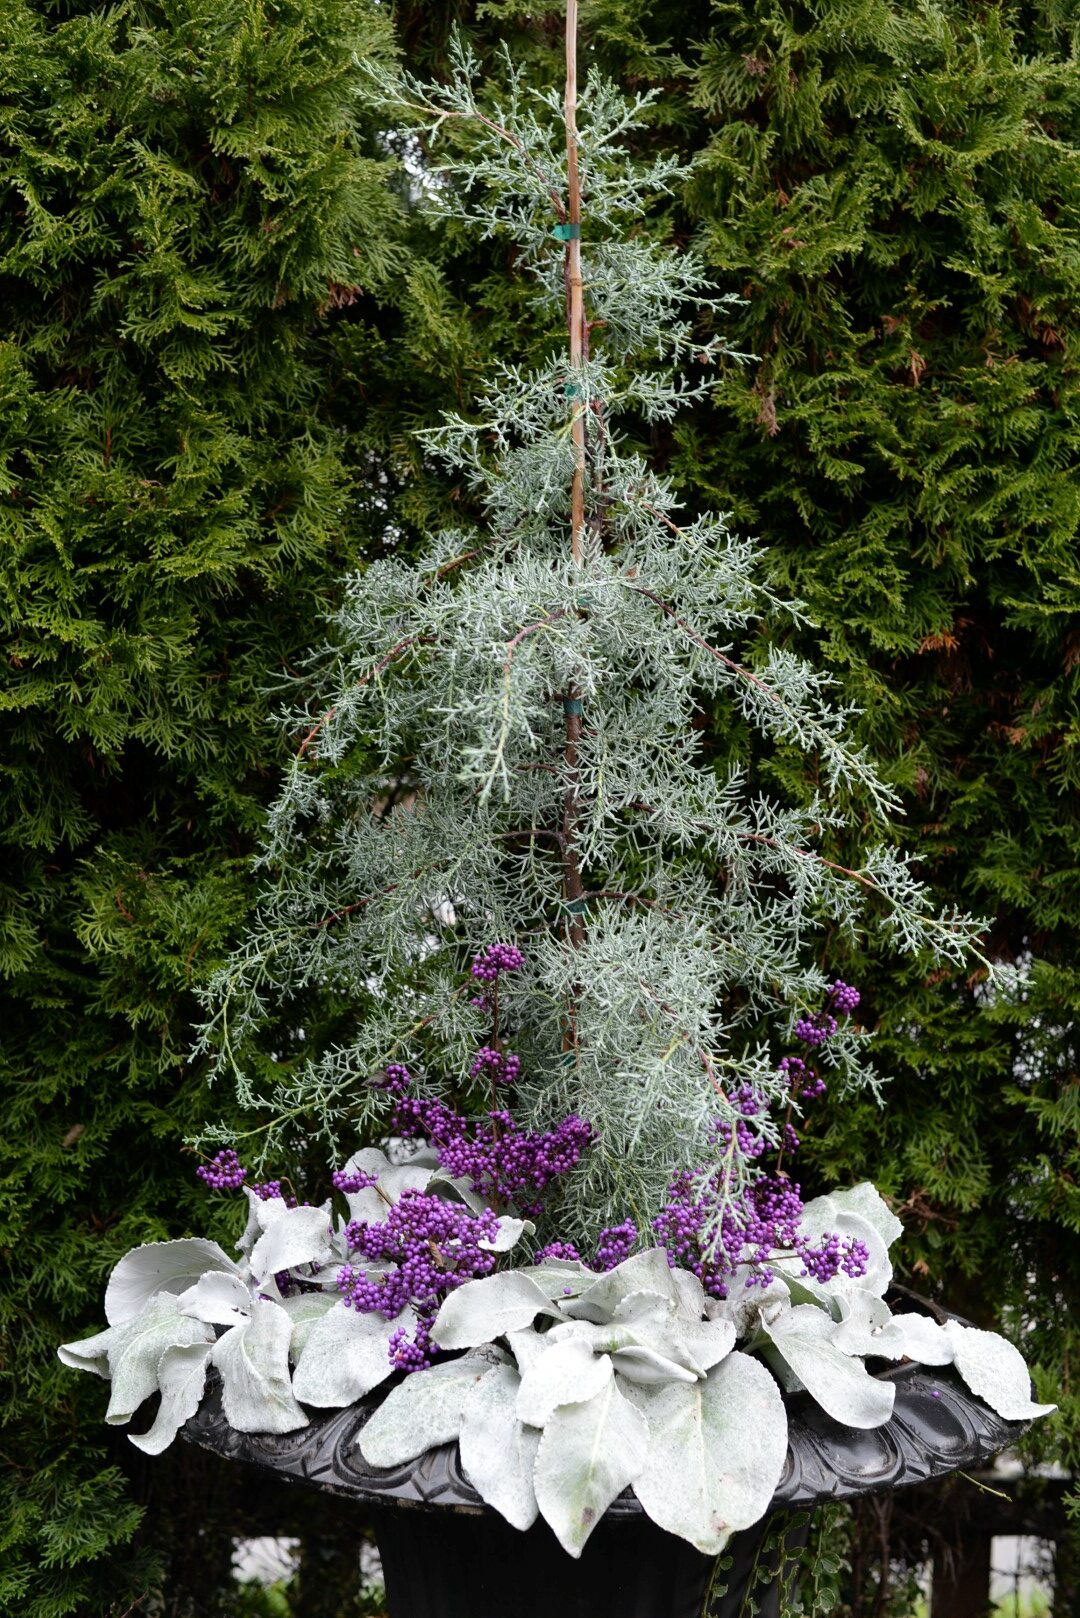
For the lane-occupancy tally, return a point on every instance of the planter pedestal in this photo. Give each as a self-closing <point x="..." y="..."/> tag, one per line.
<point x="447" y="1555"/>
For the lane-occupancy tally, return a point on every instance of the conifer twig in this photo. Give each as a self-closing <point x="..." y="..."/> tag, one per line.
<point x="383" y="663"/>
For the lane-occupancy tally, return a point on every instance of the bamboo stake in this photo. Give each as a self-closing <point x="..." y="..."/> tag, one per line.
<point x="573" y="887"/>
<point x="575" y="289"/>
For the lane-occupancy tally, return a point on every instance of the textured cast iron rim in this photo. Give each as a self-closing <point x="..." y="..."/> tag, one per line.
<point x="937" y="1427"/>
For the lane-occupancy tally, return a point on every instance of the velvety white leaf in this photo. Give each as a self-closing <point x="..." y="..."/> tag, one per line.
<point x="457" y="1188"/>
<point x="345" y="1355"/>
<point x="134" y="1350"/>
<point x="870" y="1329"/>
<point x="217" y="1298"/>
<point x="303" y="1310"/>
<point x="367" y="1206"/>
<point x="825" y="1215"/>
<point x="691" y="1294"/>
<point x="744" y="1303"/>
<point x="864" y="1308"/>
<point x="841" y="1385"/>
<point x="566" y="1373"/>
<point x="253" y="1228"/>
<point x="510" y="1233"/>
<point x="644" y="1272"/>
<point x="182" y="1379"/>
<point x="421" y="1412"/>
<point x="684" y="1336"/>
<point x="802" y="1288"/>
<point x="716" y="1452"/>
<point x="561" y="1278"/>
<point x="263" y="1214"/>
<point x="861" y="1314"/>
<point x="297" y="1236"/>
<point x="482" y="1310"/>
<point x="637" y="1362"/>
<point x="160" y="1267"/>
<point x="589" y="1453"/>
<point x="658" y="1307"/>
<point x="415" y="1175"/>
<point x="709" y="1341"/>
<point x="498" y="1452"/>
<point x="253" y="1359"/>
<point x="866" y="1200"/>
<point x="526" y="1346"/>
<point x="995" y="1371"/>
<point x="651" y="1349"/>
<point x="90" y="1353"/>
<point x="914" y="1337"/>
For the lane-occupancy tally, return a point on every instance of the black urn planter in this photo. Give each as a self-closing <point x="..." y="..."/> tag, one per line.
<point x="446" y="1554"/>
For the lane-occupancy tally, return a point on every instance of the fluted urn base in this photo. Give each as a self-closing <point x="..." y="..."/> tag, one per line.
<point x="449" y="1564"/>
<point x="448" y="1555"/>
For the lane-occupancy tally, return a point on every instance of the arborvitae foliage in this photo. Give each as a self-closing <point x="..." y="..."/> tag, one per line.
<point x="896" y="191"/>
<point x="894" y="188"/>
<point x="189" y="205"/>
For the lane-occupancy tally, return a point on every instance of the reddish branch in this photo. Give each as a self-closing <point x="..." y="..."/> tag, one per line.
<point x="384" y="662"/>
<point x="575" y="316"/>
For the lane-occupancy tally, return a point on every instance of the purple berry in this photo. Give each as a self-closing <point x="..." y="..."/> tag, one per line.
<point x="223" y="1172"/>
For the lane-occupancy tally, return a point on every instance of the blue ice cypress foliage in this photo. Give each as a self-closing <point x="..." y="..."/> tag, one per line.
<point x="500" y="739"/>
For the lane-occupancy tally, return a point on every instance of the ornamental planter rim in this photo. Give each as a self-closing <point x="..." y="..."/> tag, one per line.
<point x="938" y="1426"/>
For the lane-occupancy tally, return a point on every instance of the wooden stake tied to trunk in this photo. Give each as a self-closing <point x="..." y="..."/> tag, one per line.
<point x="575" y="317"/>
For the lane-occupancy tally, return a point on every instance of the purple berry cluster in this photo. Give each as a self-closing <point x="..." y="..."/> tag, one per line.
<point x="267" y="1190"/>
<point x="496" y="958"/>
<point x="223" y="1172"/>
<point x="565" y="1250"/>
<point x="435" y="1248"/>
<point x="835" y="1254"/>
<point x="843" y="997"/>
<point x="502" y="1162"/>
<point x="517" y="1166"/>
<point x="748" y="1142"/>
<point x="414" y="1353"/>
<point x="750" y="1102"/>
<point x="803" y="1078"/>
<point x="816" y="1029"/>
<point x="501" y="1067"/>
<point x="766" y="1217"/>
<point x="616" y="1243"/>
<point x="357" y="1181"/>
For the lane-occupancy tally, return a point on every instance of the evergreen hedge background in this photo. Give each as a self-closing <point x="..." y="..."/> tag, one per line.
<point x="219" y="324"/>
<point x="189" y="205"/>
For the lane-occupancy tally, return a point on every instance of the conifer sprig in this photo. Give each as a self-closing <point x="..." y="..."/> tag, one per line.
<point x="503" y="743"/>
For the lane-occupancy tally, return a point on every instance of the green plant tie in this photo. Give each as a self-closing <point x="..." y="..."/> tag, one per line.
<point x="567" y="232"/>
<point x="572" y="705"/>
